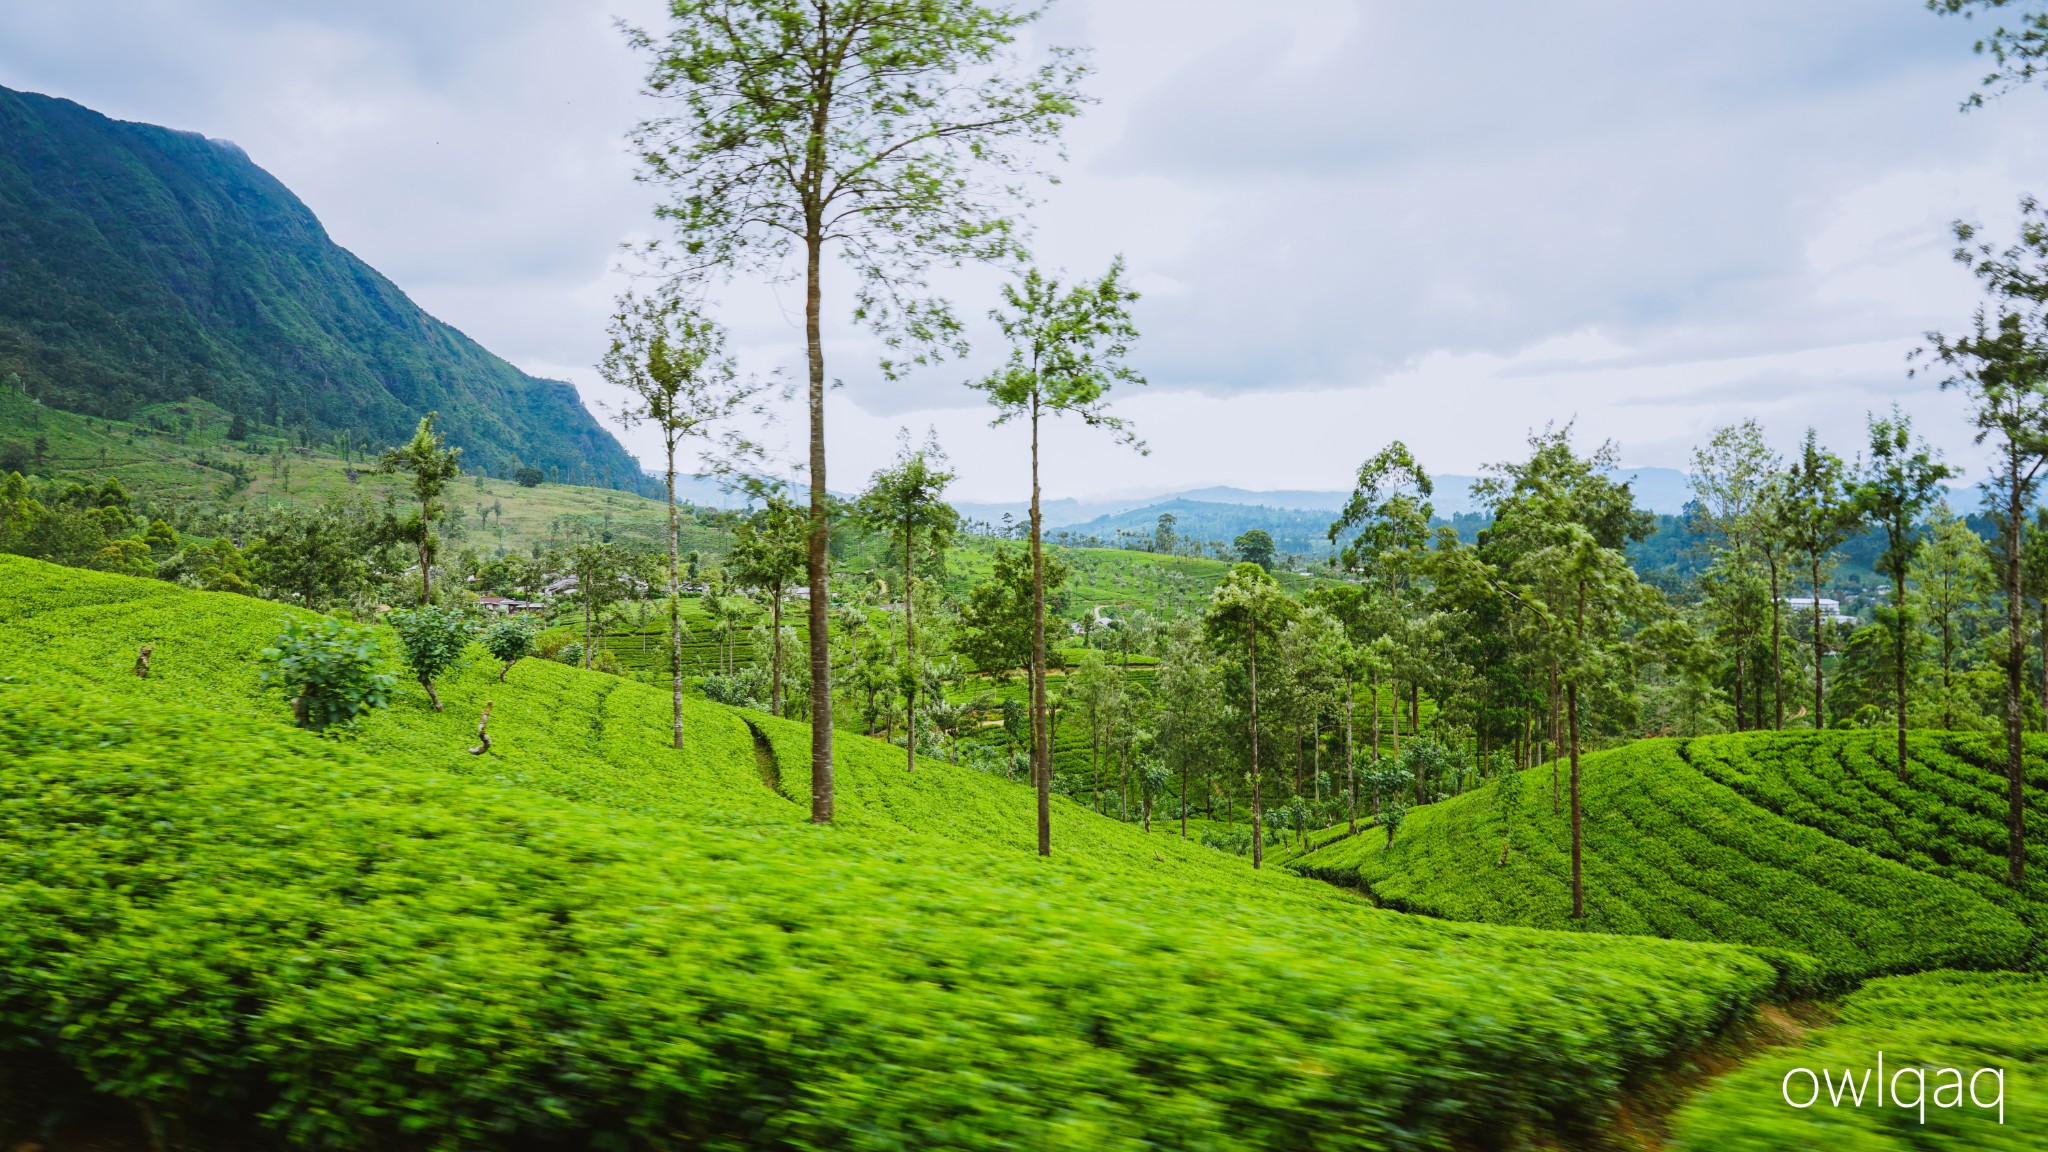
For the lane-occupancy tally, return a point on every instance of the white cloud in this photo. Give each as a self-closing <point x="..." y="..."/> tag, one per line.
<point x="1353" y="221"/>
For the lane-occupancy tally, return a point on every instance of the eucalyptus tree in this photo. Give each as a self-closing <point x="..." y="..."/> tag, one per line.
<point x="1246" y="612"/>
<point x="670" y="361"/>
<point x="1067" y="348"/>
<point x="1899" y="481"/>
<point x="896" y="133"/>
<point x="2001" y="364"/>
<point x="1346" y="604"/>
<point x="1951" y="574"/>
<point x="907" y="502"/>
<point x="1382" y="535"/>
<point x="2019" y="52"/>
<point x="767" y="554"/>
<point x="1822" y="513"/>
<point x="1187" y="689"/>
<point x="1739" y="499"/>
<point x="433" y="466"/>
<point x="1560" y="527"/>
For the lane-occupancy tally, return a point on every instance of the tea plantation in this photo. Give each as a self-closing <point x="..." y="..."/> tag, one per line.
<point x="1672" y="851"/>
<point x="235" y="934"/>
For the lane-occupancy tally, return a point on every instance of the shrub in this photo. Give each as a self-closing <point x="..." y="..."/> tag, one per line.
<point x="511" y="640"/>
<point x="529" y="477"/>
<point x="432" y="641"/>
<point x="1670" y="852"/>
<point x="330" y="668"/>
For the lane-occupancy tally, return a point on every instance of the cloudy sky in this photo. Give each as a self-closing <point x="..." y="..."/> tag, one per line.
<point x="1353" y="220"/>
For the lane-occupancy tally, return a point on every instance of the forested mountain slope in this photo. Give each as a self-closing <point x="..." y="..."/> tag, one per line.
<point x="1800" y="841"/>
<point x="141" y="265"/>
<point x="584" y="938"/>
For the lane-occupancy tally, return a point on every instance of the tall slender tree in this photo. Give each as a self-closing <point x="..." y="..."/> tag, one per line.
<point x="768" y="555"/>
<point x="1246" y="612"/>
<point x="895" y="133"/>
<point x="1067" y="348"/>
<point x="1900" y="480"/>
<point x="907" y="502"/>
<point x="670" y="360"/>
<point x="1821" y="513"/>
<point x="433" y="466"/>
<point x="2001" y="363"/>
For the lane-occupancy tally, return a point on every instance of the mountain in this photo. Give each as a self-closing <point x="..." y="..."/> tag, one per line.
<point x="140" y="265"/>
<point x="1298" y="519"/>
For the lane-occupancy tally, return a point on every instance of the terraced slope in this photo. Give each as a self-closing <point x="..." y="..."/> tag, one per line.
<point x="1672" y="851"/>
<point x="587" y="939"/>
<point x="1947" y="819"/>
<point x="1967" y="1021"/>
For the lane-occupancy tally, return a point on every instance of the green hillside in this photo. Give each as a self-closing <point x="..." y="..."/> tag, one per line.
<point x="1673" y="851"/>
<point x="1966" y="1021"/>
<point x="586" y="939"/>
<point x="141" y="265"/>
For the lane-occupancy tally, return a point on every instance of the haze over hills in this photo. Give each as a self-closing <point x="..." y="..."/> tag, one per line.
<point x="1296" y="518"/>
<point x="140" y="265"/>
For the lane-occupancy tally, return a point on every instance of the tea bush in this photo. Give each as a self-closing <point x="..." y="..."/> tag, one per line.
<point x="1962" y="1020"/>
<point x="1671" y="852"/>
<point x="585" y="938"/>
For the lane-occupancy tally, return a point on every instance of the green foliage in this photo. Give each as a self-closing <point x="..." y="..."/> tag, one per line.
<point x="1961" y="1020"/>
<point x="331" y="670"/>
<point x="511" y="640"/>
<point x="995" y="623"/>
<point x="591" y="938"/>
<point x="1255" y="547"/>
<point x="432" y="641"/>
<point x="1671" y="851"/>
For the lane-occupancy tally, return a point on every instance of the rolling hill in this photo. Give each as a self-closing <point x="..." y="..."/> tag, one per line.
<point x="141" y="265"/>
<point x="1786" y="841"/>
<point x="228" y="931"/>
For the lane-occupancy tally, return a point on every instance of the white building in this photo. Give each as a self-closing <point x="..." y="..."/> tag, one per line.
<point x="1803" y="606"/>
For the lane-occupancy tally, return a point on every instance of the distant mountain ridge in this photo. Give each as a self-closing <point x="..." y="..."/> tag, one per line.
<point x="140" y="264"/>
<point x="1297" y="518"/>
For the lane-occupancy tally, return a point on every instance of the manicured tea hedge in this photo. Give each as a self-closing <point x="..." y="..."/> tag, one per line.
<point x="1670" y="852"/>
<point x="585" y="939"/>
<point x="1946" y="819"/>
<point x="1962" y="1020"/>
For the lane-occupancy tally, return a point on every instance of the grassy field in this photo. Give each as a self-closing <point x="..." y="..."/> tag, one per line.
<point x="179" y="456"/>
<point x="585" y="938"/>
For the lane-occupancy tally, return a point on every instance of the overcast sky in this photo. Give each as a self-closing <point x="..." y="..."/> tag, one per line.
<point x="1353" y="221"/>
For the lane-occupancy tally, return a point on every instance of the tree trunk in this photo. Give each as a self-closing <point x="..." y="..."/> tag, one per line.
<point x="586" y="625"/>
<point x="2015" y="792"/>
<point x="1251" y="656"/>
<point x="1183" y="797"/>
<point x="2044" y="664"/>
<point x="1555" y="800"/>
<point x="1041" y="735"/>
<point x="1819" y="717"/>
<point x="815" y="556"/>
<point x="775" y="655"/>
<point x="675" y="599"/>
<point x="1375" y="719"/>
<point x="432" y="696"/>
<point x="1572" y="709"/>
<point x="1350" y="763"/>
<point x="909" y="658"/>
<point x="1899" y="655"/>
<point x="1396" y="686"/>
<point x="1777" y="648"/>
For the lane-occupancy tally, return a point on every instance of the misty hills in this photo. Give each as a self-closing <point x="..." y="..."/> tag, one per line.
<point x="140" y="265"/>
<point x="1297" y="519"/>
